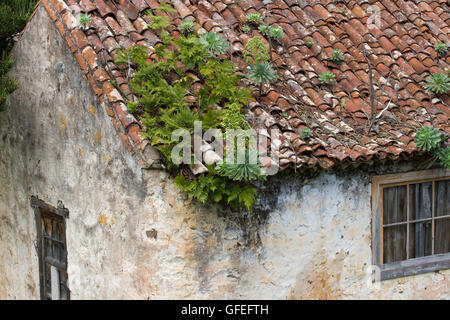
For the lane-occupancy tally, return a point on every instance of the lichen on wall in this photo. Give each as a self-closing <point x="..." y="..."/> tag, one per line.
<point x="132" y="234"/>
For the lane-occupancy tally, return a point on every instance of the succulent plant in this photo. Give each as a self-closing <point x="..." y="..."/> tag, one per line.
<point x="276" y="33"/>
<point x="305" y="132"/>
<point x="264" y="29"/>
<point x="186" y="26"/>
<point x="246" y="29"/>
<point x="261" y="73"/>
<point x="246" y="171"/>
<point x="327" y="77"/>
<point x="309" y="43"/>
<point x="428" y="138"/>
<point x="336" y="56"/>
<point x="214" y="43"/>
<point x="441" y="48"/>
<point x="438" y="83"/>
<point x="254" y="17"/>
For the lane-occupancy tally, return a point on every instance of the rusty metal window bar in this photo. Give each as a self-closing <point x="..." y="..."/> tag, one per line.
<point x="52" y="249"/>
<point x="411" y="222"/>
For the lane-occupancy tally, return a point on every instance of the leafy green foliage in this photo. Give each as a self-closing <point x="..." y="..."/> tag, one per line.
<point x="256" y="51"/>
<point x="254" y="18"/>
<point x="261" y="73"/>
<point x="306" y="133"/>
<point x="443" y="155"/>
<point x="438" y="83"/>
<point x="7" y="85"/>
<point x="13" y="17"/>
<point x="158" y="22"/>
<point x="441" y="48"/>
<point x="163" y="107"/>
<point x="276" y="33"/>
<point x="218" y="189"/>
<point x="85" y="19"/>
<point x="429" y="139"/>
<point x="246" y="29"/>
<point x="336" y="56"/>
<point x="247" y="171"/>
<point x="165" y="7"/>
<point x="327" y="77"/>
<point x="264" y="29"/>
<point x="186" y="26"/>
<point x="214" y="43"/>
<point x="309" y="43"/>
<point x="233" y="118"/>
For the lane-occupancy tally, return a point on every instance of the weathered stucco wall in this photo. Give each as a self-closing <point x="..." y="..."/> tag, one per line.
<point x="132" y="234"/>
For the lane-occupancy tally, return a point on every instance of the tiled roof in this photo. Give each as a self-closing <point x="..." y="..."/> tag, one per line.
<point x="401" y="53"/>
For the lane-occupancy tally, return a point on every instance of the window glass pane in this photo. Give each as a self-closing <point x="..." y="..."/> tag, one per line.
<point x="420" y="239"/>
<point x="442" y="238"/>
<point x="394" y="243"/>
<point x="394" y="204"/>
<point x="420" y="201"/>
<point x="442" y="198"/>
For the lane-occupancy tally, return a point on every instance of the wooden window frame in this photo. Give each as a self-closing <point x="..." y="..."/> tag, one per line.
<point x="411" y="266"/>
<point x="40" y="208"/>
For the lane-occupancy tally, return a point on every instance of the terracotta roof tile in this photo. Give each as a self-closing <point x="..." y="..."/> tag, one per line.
<point x="401" y="52"/>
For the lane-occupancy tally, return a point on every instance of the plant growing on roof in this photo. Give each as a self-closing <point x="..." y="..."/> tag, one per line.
<point x="441" y="48"/>
<point x="276" y="33"/>
<point x="438" y="83"/>
<point x="261" y="73"/>
<point x="214" y="43"/>
<point x="305" y="132"/>
<point x="309" y="43"/>
<point x="256" y="51"/>
<point x="186" y="26"/>
<point x="246" y="29"/>
<point x="162" y="89"/>
<point x="158" y="22"/>
<point x="254" y="18"/>
<point x="85" y="20"/>
<point x="327" y="77"/>
<point x="247" y="171"/>
<point x="430" y="139"/>
<point x="336" y="56"/>
<point x="264" y="29"/>
<point x="165" y="7"/>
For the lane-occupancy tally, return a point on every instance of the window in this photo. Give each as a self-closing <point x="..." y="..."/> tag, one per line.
<point x="52" y="250"/>
<point x="411" y="222"/>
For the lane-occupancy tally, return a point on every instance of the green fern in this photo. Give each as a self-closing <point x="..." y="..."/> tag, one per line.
<point x="158" y="22"/>
<point x="438" y="83"/>
<point x="165" y="7"/>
